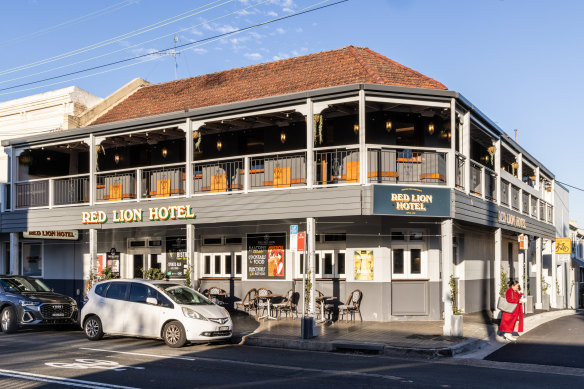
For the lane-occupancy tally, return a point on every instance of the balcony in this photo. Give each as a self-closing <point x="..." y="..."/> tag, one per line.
<point x="405" y="166"/>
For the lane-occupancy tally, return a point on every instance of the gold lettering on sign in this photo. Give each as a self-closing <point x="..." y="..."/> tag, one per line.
<point x="174" y="212"/>
<point x="414" y="202"/>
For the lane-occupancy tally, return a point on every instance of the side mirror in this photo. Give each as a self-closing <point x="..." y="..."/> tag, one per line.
<point x="151" y="300"/>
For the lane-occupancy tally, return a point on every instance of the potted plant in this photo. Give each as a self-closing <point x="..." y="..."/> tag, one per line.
<point x="457" y="322"/>
<point x="545" y="297"/>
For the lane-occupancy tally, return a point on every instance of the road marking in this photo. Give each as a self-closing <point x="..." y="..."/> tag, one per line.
<point x="81" y="364"/>
<point x="59" y="380"/>
<point x="262" y="365"/>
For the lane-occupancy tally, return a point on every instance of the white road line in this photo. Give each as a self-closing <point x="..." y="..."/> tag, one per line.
<point x="262" y="365"/>
<point x="59" y="380"/>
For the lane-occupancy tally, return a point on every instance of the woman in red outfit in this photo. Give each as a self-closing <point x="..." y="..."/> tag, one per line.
<point x="508" y="320"/>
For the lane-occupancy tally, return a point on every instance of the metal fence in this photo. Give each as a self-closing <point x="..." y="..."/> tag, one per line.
<point x="402" y="166"/>
<point x="71" y="190"/>
<point x="163" y="181"/>
<point x="278" y="171"/>
<point x="116" y="186"/>
<point x="32" y="194"/>
<point x="218" y="176"/>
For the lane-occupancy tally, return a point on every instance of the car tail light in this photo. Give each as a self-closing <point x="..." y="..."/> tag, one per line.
<point x="85" y="300"/>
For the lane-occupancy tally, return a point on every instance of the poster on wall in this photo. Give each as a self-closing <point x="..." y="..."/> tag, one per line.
<point x="266" y="256"/>
<point x="176" y="257"/>
<point x="363" y="265"/>
<point x="113" y="262"/>
<point x="99" y="265"/>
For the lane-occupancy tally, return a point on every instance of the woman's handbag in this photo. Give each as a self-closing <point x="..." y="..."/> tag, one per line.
<point x="505" y="305"/>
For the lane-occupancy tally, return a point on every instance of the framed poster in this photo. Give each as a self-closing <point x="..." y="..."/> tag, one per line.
<point x="176" y="257"/>
<point x="363" y="265"/>
<point x="266" y="256"/>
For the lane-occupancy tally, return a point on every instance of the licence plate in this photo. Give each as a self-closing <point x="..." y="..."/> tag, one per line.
<point x="58" y="314"/>
<point x="224" y="328"/>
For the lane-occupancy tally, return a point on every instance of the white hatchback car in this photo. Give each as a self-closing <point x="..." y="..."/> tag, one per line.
<point x="153" y="309"/>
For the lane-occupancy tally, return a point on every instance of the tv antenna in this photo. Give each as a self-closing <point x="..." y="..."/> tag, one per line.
<point x="174" y="53"/>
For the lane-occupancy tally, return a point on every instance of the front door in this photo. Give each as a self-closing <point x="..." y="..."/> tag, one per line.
<point x="138" y="266"/>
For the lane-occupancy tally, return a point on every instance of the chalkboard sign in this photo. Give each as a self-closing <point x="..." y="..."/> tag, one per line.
<point x="176" y="257"/>
<point x="266" y="256"/>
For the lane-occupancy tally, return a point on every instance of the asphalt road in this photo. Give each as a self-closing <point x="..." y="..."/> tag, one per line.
<point x="53" y="359"/>
<point x="559" y="342"/>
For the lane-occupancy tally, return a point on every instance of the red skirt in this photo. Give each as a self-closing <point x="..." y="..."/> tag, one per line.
<point x="508" y="320"/>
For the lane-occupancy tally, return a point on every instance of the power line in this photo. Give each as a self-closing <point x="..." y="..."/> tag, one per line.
<point x="76" y="20"/>
<point x="207" y="40"/>
<point x="135" y="45"/>
<point x="130" y="34"/>
<point x="571" y="186"/>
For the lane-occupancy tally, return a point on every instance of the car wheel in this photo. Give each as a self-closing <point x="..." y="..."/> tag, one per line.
<point x="174" y="334"/>
<point x="93" y="328"/>
<point x="8" y="320"/>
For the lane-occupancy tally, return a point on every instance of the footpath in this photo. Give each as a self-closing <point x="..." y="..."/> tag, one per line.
<point x="397" y="338"/>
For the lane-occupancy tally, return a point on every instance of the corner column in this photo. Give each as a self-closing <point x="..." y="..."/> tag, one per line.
<point x="447" y="272"/>
<point x="362" y="145"/>
<point x="538" y="276"/>
<point x="14" y="253"/>
<point x="192" y="256"/>
<point x="92" y="255"/>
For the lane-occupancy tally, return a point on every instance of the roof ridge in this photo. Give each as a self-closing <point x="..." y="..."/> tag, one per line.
<point x="404" y="66"/>
<point x="376" y="77"/>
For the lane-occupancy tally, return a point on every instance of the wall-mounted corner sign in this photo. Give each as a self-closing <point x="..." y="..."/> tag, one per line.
<point x="133" y="215"/>
<point x="411" y="201"/>
<point x="51" y="234"/>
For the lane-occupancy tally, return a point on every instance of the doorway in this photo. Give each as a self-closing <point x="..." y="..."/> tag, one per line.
<point x="138" y="266"/>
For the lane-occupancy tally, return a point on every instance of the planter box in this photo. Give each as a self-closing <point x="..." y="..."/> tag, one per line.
<point x="456" y="325"/>
<point x="309" y="328"/>
<point x="560" y="302"/>
<point x="529" y="305"/>
<point x="545" y="302"/>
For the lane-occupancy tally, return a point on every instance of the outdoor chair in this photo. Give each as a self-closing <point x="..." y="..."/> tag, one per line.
<point x="286" y="305"/>
<point x="217" y="295"/>
<point x="352" y="306"/>
<point x="261" y="302"/>
<point x="249" y="301"/>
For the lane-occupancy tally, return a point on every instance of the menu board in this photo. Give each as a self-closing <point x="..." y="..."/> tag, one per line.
<point x="176" y="257"/>
<point x="113" y="262"/>
<point x="266" y="256"/>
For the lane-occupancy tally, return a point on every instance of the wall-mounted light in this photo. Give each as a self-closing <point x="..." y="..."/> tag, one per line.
<point x="485" y="158"/>
<point x="219" y="144"/>
<point x="356" y="128"/>
<point x="48" y="158"/>
<point x="164" y="152"/>
<point x="431" y="128"/>
<point x="116" y="159"/>
<point x="388" y="125"/>
<point x="283" y="137"/>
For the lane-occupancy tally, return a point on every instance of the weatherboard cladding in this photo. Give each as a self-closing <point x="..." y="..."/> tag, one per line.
<point x="348" y="65"/>
<point x="475" y="210"/>
<point x="220" y="208"/>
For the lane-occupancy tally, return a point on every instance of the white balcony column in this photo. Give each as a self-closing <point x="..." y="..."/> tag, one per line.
<point x="192" y="255"/>
<point x="246" y="166"/>
<point x="14" y="253"/>
<point x="309" y="144"/>
<point x="451" y="156"/>
<point x="13" y="177"/>
<point x="51" y="192"/>
<point x="190" y="128"/>
<point x="537" y="175"/>
<point x="466" y="151"/>
<point x="554" y="296"/>
<point x="538" y="272"/>
<point x="497" y="268"/>
<point x="362" y="144"/>
<point x="92" y="169"/>
<point x="483" y="182"/>
<point x="447" y="271"/>
<point x="497" y="164"/>
<point x="519" y="160"/>
<point x="311" y="230"/>
<point x="521" y="270"/>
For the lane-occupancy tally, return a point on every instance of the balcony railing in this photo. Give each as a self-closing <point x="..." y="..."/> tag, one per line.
<point x="71" y="190"/>
<point x="525" y="202"/>
<point x="515" y="197"/>
<point x="504" y="192"/>
<point x="278" y="171"/>
<point x="476" y="184"/>
<point x="32" y="194"/>
<point x="336" y="166"/>
<point x="405" y="166"/>
<point x="490" y="184"/>
<point x="116" y="186"/>
<point x="459" y="173"/>
<point x="534" y="207"/>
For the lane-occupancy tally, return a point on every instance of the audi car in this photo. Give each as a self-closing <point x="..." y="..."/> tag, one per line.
<point x="153" y="309"/>
<point x="27" y="301"/>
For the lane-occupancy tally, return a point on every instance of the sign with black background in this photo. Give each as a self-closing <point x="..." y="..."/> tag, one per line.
<point x="266" y="256"/>
<point x="176" y="257"/>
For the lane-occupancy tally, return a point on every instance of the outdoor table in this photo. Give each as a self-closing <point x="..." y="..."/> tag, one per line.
<point x="219" y="298"/>
<point x="268" y="298"/>
<point x="323" y="300"/>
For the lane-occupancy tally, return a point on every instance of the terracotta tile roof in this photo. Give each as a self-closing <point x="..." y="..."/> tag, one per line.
<point x="348" y="65"/>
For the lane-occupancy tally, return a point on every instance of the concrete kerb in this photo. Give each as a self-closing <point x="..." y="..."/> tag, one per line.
<point x="469" y="348"/>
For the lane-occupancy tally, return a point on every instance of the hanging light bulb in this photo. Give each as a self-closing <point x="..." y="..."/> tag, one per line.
<point x="164" y="152"/>
<point x="283" y="137"/>
<point x="431" y="128"/>
<point x="116" y="159"/>
<point x="388" y="125"/>
<point x="356" y="128"/>
<point x="219" y="144"/>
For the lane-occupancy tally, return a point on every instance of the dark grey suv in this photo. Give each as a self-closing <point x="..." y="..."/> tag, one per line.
<point x="26" y="301"/>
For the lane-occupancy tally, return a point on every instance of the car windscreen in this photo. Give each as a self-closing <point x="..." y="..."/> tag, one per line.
<point x="183" y="295"/>
<point x="21" y="284"/>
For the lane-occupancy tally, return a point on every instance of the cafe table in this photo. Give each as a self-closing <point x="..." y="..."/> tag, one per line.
<point x="323" y="300"/>
<point x="268" y="298"/>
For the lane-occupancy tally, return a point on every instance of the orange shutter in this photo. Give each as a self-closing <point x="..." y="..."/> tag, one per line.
<point x="353" y="171"/>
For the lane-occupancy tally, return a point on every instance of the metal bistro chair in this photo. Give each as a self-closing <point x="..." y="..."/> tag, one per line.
<point x="352" y="306"/>
<point x="216" y="294"/>
<point x="287" y="305"/>
<point x="249" y="301"/>
<point x="261" y="302"/>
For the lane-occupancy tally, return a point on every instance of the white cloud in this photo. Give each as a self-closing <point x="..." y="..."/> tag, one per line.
<point x="253" y="56"/>
<point x="200" y="50"/>
<point x="280" y="30"/>
<point x="196" y="32"/>
<point x="280" y="56"/>
<point x="272" y="14"/>
<point x="299" y="29"/>
<point x="225" y="29"/>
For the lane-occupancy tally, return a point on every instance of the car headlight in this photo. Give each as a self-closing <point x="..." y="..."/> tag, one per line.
<point x="226" y="312"/>
<point x="73" y="302"/>
<point x="28" y="303"/>
<point x="193" y="314"/>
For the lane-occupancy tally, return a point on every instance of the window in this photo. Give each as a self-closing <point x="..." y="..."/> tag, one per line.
<point x="335" y="237"/>
<point x="140" y="292"/>
<point x="233" y="240"/>
<point x="212" y="241"/>
<point x="101" y="288"/>
<point x="117" y="290"/>
<point x="227" y="261"/>
<point x="397" y="235"/>
<point x="32" y="259"/>
<point x="154" y="243"/>
<point x="137" y="243"/>
<point x="222" y="264"/>
<point x="331" y="262"/>
<point x="207" y="264"/>
<point x="238" y="263"/>
<point x="409" y="263"/>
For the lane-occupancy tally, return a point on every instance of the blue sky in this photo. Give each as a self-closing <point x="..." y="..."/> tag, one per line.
<point x="519" y="61"/>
